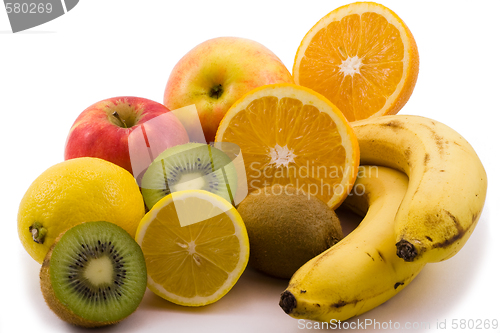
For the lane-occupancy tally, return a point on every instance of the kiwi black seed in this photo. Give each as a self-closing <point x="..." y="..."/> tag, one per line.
<point x="194" y="166"/>
<point x="94" y="275"/>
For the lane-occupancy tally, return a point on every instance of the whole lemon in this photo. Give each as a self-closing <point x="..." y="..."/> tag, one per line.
<point x="78" y="190"/>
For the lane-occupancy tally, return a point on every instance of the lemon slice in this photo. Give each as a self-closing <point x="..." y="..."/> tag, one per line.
<point x="195" y="245"/>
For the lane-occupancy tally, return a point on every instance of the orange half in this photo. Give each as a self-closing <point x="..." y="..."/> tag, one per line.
<point x="291" y="135"/>
<point x="362" y="57"/>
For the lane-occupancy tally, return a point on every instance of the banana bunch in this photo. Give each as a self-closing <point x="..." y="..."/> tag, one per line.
<point x="420" y="204"/>
<point x="447" y="186"/>
<point x="362" y="270"/>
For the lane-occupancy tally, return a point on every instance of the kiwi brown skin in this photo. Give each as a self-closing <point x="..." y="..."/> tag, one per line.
<point x="58" y="307"/>
<point x="53" y="302"/>
<point x="286" y="228"/>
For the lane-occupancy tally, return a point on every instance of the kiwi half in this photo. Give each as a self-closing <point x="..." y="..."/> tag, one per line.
<point x="193" y="166"/>
<point x="94" y="275"/>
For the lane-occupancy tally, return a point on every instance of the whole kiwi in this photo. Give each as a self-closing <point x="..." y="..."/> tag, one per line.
<point x="94" y="275"/>
<point x="286" y="228"/>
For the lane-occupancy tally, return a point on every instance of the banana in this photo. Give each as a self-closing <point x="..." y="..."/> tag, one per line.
<point x="447" y="182"/>
<point x="362" y="271"/>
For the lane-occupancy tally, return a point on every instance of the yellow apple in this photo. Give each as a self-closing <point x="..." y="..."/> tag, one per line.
<point x="216" y="73"/>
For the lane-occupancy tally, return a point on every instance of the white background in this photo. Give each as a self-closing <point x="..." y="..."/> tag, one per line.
<point x="101" y="49"/>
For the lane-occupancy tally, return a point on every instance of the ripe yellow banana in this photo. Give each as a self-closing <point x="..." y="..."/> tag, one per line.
<point x="362" y="271"/>
<point x="447" y="182"/>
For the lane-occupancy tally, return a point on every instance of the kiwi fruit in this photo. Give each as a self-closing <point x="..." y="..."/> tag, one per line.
<point x="193" y="166"/>
<point x="94" y="275"/>
<point x="286" y="228"/>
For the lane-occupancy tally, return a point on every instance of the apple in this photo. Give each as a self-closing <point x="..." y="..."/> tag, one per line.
<point x="127" y="131"/>
<point x="216" y="73"/>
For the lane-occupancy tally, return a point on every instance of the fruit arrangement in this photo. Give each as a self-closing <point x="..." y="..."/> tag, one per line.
<point x="245" y="165"/>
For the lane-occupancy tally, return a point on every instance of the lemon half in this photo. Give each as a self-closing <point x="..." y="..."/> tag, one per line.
<point x="195" y="245"/>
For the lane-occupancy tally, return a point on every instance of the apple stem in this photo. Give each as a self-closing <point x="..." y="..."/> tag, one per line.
<point x="117" y="116"/>
<point x="216" y="92"/>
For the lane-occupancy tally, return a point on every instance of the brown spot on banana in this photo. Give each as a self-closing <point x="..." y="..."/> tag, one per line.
<point x="439" y="140"/>
<point x="397" y="284"/>
<point x="427" y="157"/>
<point x="460" y="231"/>
<point x="343" y="303"/>
<point x="381" y="255"/>
<point x="393" y="124"/>
<point x="441" y="143"/>
<point x="407" y="153"/>
<point x="339" y="304"/>
<point x="455" y="220"/>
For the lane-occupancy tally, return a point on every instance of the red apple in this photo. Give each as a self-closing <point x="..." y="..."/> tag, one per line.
<point x="127" y="131"/>
<point x="218" y="72"/>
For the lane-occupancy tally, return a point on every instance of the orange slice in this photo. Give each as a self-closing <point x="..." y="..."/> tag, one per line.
<point x="362" y="57"/>
<point x="291" y="135"/>
<point x="195" y="245"/>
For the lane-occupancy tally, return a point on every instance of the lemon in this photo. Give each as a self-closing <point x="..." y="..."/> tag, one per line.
<point x="77" y="190"/>
<point x="195" y="245"/>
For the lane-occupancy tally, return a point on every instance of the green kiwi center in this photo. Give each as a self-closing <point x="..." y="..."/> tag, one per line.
<point x="99" y="271"/>
<point x="190" y="181"/>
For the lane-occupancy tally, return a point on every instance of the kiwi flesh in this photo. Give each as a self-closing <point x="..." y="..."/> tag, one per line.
<point x="286" y="228"/>
<point x="94" y="275"/>
<point x="194" y="166"/>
